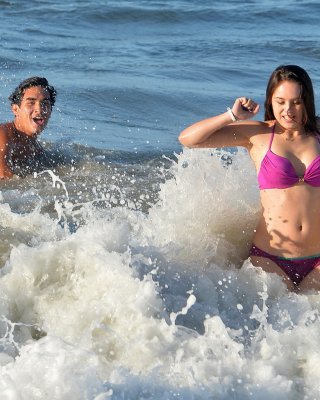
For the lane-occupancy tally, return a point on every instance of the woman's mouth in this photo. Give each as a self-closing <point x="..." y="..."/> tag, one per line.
<point x="287" y="118"/>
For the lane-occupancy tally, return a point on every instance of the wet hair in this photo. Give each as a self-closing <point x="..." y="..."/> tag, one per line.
<point x="17" y="95"/>
<point x="296" y="74"/>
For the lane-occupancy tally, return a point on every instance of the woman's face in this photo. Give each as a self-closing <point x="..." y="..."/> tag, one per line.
<point x="287" y="105"/>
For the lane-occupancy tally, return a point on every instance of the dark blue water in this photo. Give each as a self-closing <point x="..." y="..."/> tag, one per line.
<point x="131" y="74"/>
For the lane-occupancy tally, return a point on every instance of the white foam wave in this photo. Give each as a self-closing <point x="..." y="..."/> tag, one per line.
<point x="155" y="306"/>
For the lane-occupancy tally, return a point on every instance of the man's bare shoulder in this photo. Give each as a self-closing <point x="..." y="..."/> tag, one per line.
<point x="5" y="128"/>
<point x="4" y="134"/>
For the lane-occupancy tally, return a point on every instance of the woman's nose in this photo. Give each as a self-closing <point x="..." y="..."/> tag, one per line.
<point x="288" y="108"/>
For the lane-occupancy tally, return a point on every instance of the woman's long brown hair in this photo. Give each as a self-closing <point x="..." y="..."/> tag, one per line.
<point x="299" y="75"/>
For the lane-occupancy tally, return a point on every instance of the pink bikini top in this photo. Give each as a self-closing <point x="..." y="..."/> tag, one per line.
<point x="277" y="172"/>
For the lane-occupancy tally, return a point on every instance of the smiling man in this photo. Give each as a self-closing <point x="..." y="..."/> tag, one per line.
<point x="20" y="151"/>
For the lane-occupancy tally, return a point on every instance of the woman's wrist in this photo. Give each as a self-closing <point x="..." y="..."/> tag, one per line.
<point x="233" y="117"/>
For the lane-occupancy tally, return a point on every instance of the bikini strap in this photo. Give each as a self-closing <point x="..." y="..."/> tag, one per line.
<point x="272" y="136"/>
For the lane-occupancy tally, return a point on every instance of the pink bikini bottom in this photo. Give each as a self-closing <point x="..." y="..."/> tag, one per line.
<point x="295" y="268"/>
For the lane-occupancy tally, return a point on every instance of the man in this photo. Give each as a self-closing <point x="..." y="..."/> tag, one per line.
<point x="20" y="151"/>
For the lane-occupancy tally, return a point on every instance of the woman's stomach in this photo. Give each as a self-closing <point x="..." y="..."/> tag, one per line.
<point x="290" y="222"/>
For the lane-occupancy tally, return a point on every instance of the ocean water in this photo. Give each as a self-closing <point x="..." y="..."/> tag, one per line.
<point x="123" y="270"/>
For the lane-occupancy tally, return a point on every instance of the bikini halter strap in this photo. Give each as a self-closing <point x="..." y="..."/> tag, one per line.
<point x="272" y="135"/>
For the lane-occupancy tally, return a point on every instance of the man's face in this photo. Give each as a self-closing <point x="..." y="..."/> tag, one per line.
<point x="33" y="114"/>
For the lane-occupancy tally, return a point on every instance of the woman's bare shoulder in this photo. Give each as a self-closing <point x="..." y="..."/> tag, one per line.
<point x="254" y="129"/>
<point x="259" y="127"/>
<point x="262" y="133"/>
<point x="263" y="125"/>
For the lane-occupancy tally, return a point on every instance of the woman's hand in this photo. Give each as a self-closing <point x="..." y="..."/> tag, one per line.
<point x="245" y="108"/>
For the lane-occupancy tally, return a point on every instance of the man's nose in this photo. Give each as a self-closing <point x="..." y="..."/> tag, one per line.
<point x="37" y="106"/>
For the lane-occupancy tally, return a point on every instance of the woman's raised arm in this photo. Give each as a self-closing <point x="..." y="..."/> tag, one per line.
<point x="222" y="130"/>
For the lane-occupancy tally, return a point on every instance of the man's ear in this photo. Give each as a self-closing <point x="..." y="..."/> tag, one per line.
<point x="15" y="109"/>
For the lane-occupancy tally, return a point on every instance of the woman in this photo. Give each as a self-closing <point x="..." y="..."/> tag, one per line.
<point x="285" y="149"/>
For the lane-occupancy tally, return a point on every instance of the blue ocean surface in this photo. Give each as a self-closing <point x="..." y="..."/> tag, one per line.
<point x="123" y="270"/>
<point x="131" y="74"/>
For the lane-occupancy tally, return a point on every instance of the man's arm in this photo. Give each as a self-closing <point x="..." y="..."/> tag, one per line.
<point x="5" y="171"/>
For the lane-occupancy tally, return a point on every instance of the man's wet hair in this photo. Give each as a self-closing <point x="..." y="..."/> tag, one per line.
<point x="17" y="95"/>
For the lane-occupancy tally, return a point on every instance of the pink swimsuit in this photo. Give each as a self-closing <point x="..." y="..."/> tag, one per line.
<point x="296" y="268"/>
<point x="277" y="172"/>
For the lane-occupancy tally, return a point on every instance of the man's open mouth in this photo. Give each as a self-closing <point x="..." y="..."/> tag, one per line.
<point x="39" y="120"/>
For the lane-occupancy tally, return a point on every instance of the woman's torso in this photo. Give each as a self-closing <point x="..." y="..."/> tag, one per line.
<point x="290" y="221"/>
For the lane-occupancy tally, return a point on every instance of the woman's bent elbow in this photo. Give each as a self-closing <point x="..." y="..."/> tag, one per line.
<point x="185" y="141"/>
